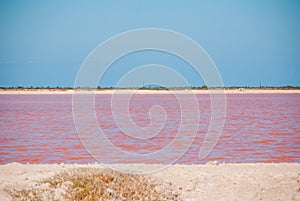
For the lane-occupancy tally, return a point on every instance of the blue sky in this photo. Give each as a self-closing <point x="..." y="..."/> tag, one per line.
<point x="43" y="43"/>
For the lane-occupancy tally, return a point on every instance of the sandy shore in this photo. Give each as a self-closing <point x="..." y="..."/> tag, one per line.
<point x="212" y="181"/>
<point x="127" y="91"/>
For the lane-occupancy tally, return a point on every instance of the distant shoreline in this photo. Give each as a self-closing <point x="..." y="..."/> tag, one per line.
<point x="149" y="91"/>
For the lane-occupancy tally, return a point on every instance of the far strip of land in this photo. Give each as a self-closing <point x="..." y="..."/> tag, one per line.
<point x="150" y="91"/>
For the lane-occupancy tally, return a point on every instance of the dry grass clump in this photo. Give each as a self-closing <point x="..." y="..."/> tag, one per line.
<point x="96" y="184"/>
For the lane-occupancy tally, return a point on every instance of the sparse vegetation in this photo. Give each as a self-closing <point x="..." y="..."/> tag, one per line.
<point x="96" y="184"/>
<point x="154" y="87"/>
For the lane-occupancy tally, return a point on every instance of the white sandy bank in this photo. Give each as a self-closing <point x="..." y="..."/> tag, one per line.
<point x="256" y="181"/>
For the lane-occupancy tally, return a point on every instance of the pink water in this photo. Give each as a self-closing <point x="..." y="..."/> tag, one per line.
<point x="258" y="128"/>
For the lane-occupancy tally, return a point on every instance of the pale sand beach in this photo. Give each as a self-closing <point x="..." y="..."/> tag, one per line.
<point x="212" y="181"/>
<point x="140" y="91"/>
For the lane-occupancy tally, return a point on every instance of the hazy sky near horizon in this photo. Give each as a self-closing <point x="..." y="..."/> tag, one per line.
<point x="44" y="43"/>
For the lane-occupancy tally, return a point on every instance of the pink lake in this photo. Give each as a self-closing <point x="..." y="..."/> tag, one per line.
<point x="258" y="128"/>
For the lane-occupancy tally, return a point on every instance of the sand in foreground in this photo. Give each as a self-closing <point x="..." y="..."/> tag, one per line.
<point x="255" y="181"/>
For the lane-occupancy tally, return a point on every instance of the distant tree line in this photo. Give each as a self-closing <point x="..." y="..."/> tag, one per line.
<point x="153" y="87"/>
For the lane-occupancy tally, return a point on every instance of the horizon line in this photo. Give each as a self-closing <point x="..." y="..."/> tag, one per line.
<point x="156" y="87"/>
